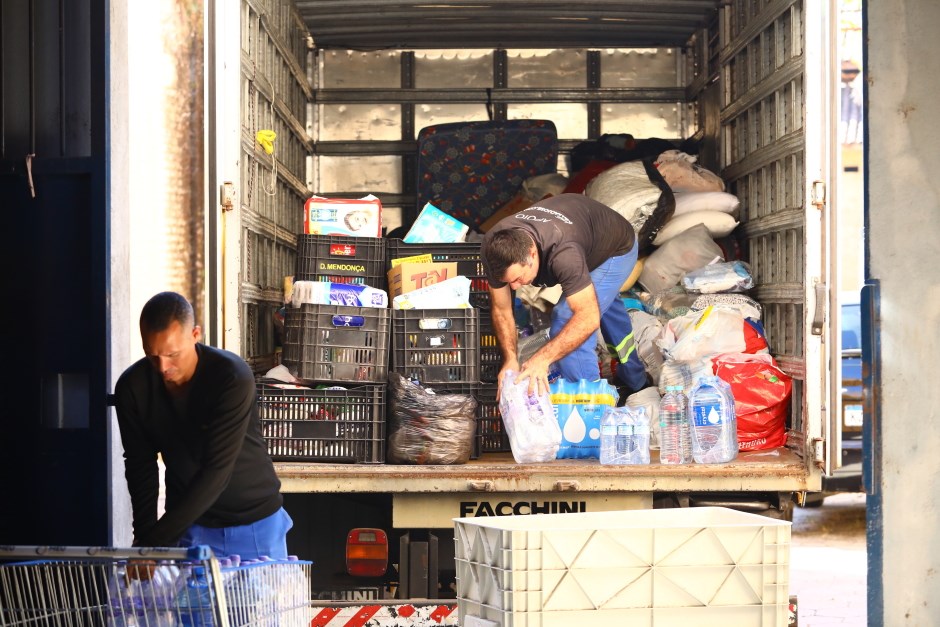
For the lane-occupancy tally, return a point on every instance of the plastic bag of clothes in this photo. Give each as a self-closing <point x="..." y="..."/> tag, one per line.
<point x="427" y="427"/>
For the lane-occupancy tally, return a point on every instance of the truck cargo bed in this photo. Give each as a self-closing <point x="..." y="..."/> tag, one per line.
<point x="777" y="469"/>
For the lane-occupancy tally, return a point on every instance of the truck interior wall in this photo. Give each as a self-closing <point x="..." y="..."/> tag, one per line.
<point x="275" y="92"/>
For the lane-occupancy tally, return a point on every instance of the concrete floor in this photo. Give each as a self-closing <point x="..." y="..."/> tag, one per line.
<point x="828" y="562"/>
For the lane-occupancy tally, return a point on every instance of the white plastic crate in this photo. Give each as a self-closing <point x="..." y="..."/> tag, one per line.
<point x="666" y="567"/>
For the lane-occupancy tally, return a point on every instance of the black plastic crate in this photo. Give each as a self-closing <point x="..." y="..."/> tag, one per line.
<point x="491" y="432"/>
<point x="359" y="260"/>
<point x="334" y="343"/>
<point x="465" y="254"/>
<point x="490" y="356"/>
<point x="323" y="425"/>
<point x="436" y="345"/>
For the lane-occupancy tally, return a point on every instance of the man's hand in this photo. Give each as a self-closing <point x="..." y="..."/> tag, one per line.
<point x="140" y="569"/>
<point x="536" y="371"/>
<point x="508" y="364"/>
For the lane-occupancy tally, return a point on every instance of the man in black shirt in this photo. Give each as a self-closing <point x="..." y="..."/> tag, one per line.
<point x="590" y="250"/>
<point x="195" y="406"/>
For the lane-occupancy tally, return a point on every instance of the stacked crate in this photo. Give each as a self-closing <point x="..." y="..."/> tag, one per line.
<point x="341" y="353"/>
<point x="465" y="352"/>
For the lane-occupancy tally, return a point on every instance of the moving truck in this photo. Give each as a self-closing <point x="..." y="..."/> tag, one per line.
<point x="347" y="85"/>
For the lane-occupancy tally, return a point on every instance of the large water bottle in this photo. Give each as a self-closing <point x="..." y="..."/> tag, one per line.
<point x="675" y="434"/>
<point x="609" y="455"/>
<point x="714" y="426"/>
<point x="194" y="601"/>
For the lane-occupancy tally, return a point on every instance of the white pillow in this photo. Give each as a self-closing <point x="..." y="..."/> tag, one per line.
<point x="687" y="202"/>
<point x="718" y="224"/>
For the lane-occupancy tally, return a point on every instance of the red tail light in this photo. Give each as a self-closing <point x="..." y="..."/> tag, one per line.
<point x="366" y="552"/>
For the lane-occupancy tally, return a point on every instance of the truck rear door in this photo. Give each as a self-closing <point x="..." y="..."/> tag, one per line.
<point x="777" y="142"/>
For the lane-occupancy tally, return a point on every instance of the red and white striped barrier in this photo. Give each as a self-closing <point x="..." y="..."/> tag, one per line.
<point x="404" y="615"/>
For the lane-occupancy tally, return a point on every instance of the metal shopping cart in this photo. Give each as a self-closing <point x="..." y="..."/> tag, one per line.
<point x="149" y="587"/>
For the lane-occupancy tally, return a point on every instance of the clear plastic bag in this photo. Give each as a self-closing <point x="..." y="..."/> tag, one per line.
<point x="534" y="434"/>
<point x="427" y="427"/>
<point x="724" y="276"/>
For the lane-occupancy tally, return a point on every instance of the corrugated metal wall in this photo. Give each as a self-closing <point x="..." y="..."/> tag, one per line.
<point x="762" y="142"/>
<point x="275" y="92"/>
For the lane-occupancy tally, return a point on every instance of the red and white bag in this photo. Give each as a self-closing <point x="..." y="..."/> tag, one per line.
<point x="761" y="396"/>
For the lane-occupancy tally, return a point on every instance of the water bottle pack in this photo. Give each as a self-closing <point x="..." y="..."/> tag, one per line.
<point x="625" y="436"/>
<point x="534" y="435"/>
<point x="579" y="407"/>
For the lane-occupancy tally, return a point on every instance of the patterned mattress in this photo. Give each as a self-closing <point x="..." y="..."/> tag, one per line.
<point x="471" y="169"/>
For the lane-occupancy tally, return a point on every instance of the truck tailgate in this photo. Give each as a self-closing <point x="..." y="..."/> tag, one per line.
<point x="778" y="470"/>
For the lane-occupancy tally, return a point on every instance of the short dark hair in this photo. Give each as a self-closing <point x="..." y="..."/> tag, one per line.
<point x="506" y="248"/>
<point x="164" y="309"/>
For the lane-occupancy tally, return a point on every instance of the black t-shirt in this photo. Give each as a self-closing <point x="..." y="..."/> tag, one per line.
<point x="218" y="471"/>
<point x="574" y="234"/>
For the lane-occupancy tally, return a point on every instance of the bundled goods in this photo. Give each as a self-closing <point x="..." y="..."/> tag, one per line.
<point x="342" y="294"/>
<point x="534" y="434"/>
<point x="427" y="427"/>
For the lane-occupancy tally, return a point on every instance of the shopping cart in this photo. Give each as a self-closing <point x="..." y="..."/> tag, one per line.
<point x="149" y="587"/>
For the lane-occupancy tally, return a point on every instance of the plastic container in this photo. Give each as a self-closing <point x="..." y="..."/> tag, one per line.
<point x="333" y="343"/>
<point x="675" y="431"/>
<point x="338" y="259"/>
<point x="491" y="432"/>
<point x="714" y="427"/>
<point x="436" y="345"/>
<point x="466" y="254"/>
<point x="662" y="567"/>
<point x="323" y="425"/>
<point x="491" y="358"/>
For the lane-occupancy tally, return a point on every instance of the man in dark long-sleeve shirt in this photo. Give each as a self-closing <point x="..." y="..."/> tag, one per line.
<point x="195" y="406"/>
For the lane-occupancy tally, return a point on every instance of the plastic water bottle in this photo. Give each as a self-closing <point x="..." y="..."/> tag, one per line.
<point x="714" y="426"/>
<point x="625" y="444"/>
<point x="609" y="455"/>
<point x="641" y="436"/>
<point x="675" y="435"/>
<point x="195" y="600"/>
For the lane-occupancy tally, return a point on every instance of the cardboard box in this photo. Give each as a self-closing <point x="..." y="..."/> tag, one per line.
<point x="343" y="216"/>
<point x="408" y="277"/>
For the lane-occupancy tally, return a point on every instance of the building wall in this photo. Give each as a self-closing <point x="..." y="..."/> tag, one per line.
<point x="903" y="206"/>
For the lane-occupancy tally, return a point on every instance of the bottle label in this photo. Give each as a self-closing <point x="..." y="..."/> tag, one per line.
<point x="624" y="429"/>
<point x="708" y="415"/>
<point x="641" y="429"/>
<point x="608" y="430"/>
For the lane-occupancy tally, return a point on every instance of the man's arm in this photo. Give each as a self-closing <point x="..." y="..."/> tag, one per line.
<point x="584" y="322"/>
<point x="140" y="460"/>
<point x="504" y="325"/>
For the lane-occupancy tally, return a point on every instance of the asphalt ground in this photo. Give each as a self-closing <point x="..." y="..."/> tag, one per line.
<point x="828" y="562"/>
